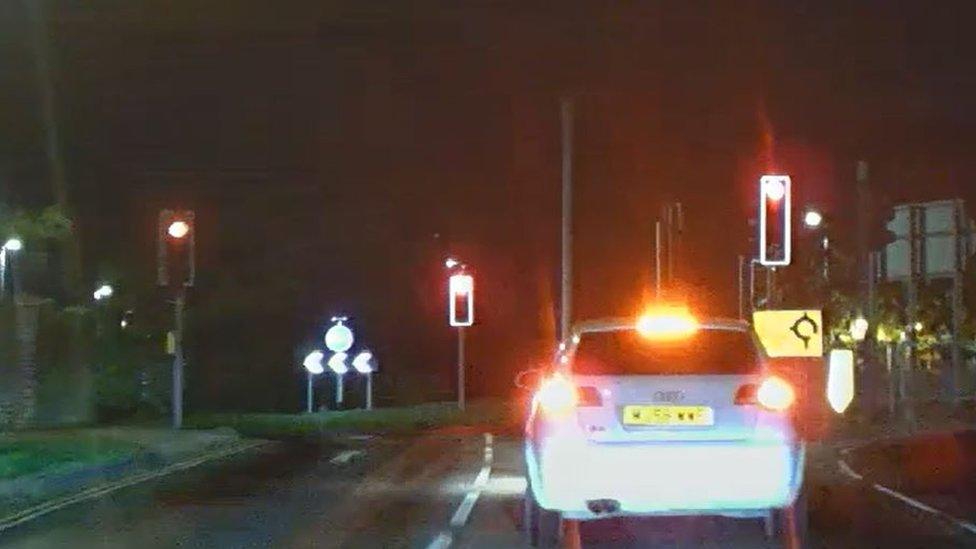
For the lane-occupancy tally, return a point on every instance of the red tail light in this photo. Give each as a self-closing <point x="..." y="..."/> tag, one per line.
<point x="558" y="395"/>
<point x="589" y="396"/>
<point x="746" y="394"/>
<point x="773" y="393"/>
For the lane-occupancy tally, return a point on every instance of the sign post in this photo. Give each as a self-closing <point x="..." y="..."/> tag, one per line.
<point x="364" y="364"/>
<point x="338" y="339"/>
<point x="313" y="365"/>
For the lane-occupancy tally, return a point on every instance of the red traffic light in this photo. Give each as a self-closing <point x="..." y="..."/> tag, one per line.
<point x="178" y="229"/>
<point x="775" y="223"/>
<point x="774" y="188"/>
<point x="461" y="300"/>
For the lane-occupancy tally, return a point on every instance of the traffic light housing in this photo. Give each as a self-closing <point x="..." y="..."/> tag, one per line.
<point x="176" y="248"/>
<point x="461" y="300"/>
<point x="775" y="220"/>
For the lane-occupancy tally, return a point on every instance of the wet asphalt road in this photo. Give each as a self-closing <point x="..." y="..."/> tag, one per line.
<point x="406" y="491"/>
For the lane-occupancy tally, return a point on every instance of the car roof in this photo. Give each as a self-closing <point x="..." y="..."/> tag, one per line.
<point x="613" y="324"/>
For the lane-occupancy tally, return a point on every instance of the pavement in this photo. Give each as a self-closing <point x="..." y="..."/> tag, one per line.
<point x="459" y="488"/>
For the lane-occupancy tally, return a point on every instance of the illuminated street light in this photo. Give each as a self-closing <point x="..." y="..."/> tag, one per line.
<point x="450" y="263"/>
<point x="859" y="328"/>
<point x="13" y="245"/>
<point x="918" y="326"/>
<point x="178" y="229"/>
<point x="812" y="219"/>
<point x="104" y="291"/>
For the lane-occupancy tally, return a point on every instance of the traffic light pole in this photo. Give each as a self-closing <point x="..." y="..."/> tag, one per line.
<point x="177" y="405"/>
<point x="460" y="367"/>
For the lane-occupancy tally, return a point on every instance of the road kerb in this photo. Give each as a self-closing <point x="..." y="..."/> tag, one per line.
<point x="44" y="508"/>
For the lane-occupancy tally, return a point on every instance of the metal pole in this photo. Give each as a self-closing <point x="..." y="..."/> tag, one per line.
<point x="369" y="391"/>
<point x="670" y="234"/>
<point x="177" y="405"/>
<point x="914" y="263"/>
<point x="3" y="273"/>
<point x="752" y="286"/>
<point x="769" y="287"/>
<point x="657" y="259"/>
<point x="339" y="391"/>
<point x="308" y="394"/>
<point x="566" y="112"/>
<point x="741" y="271"/>
<point x="460" y="367"/>
<point x="892" y="391"/>
<point x="958" y="314"/>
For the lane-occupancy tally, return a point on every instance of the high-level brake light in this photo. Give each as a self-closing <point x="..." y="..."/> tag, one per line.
<point x="667" y="323"/>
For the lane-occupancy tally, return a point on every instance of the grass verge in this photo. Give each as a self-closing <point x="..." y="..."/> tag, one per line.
<point x="53" y="454"/>
<point x="382" y="420"/>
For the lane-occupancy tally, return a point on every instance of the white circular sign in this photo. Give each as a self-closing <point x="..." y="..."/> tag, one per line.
<point x="338" y="338"/>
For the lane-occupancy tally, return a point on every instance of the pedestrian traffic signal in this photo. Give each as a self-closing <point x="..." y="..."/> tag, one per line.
<point x="176" y="247"/>
<point x="461" y="300"/>
<point x="775" y="220"/>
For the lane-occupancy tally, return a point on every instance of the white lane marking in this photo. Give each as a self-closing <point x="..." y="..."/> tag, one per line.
<point x="463" y="512"/>
<point x="965" y="525"/>
<point x="47" y="507"/>
<point x="846" y="469"/>
<point x="913" y="502"/>
<point x="344" y="456"/>
<point x="442" y="541"/>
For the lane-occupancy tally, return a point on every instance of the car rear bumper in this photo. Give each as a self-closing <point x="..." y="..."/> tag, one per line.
<point x="743" y="478"/>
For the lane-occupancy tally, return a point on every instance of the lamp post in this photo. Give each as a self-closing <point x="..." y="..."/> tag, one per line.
<point x="11" y="246"/>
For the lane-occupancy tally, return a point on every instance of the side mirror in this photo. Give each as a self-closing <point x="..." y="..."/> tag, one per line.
<point x="528" y="379"/>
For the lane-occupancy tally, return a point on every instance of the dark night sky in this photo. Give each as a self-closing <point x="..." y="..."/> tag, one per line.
<point x="371" y="138"/>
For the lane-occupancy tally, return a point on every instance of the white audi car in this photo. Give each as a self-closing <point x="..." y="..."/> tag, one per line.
<point x="663" y="415"/>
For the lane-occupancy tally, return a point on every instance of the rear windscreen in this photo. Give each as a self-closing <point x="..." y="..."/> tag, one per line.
<point x="625" y="352"/>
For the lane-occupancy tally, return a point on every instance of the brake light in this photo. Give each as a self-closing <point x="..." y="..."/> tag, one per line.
<point x="588" y="396"/>
<point x="557" y="395"/>
<point x="773" y="393"/>
<point x="667" y="323"/>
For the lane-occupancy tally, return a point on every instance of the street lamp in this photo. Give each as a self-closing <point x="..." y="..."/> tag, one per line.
<point x="451" y="263"/>
<point x="104" y="291"/>
<point x="12" y="245"/>
<point x="859" y="328"/>
<point x="812" y="219"/>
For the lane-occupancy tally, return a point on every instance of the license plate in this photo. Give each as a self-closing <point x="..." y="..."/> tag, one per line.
<point x="669" y="415"/>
